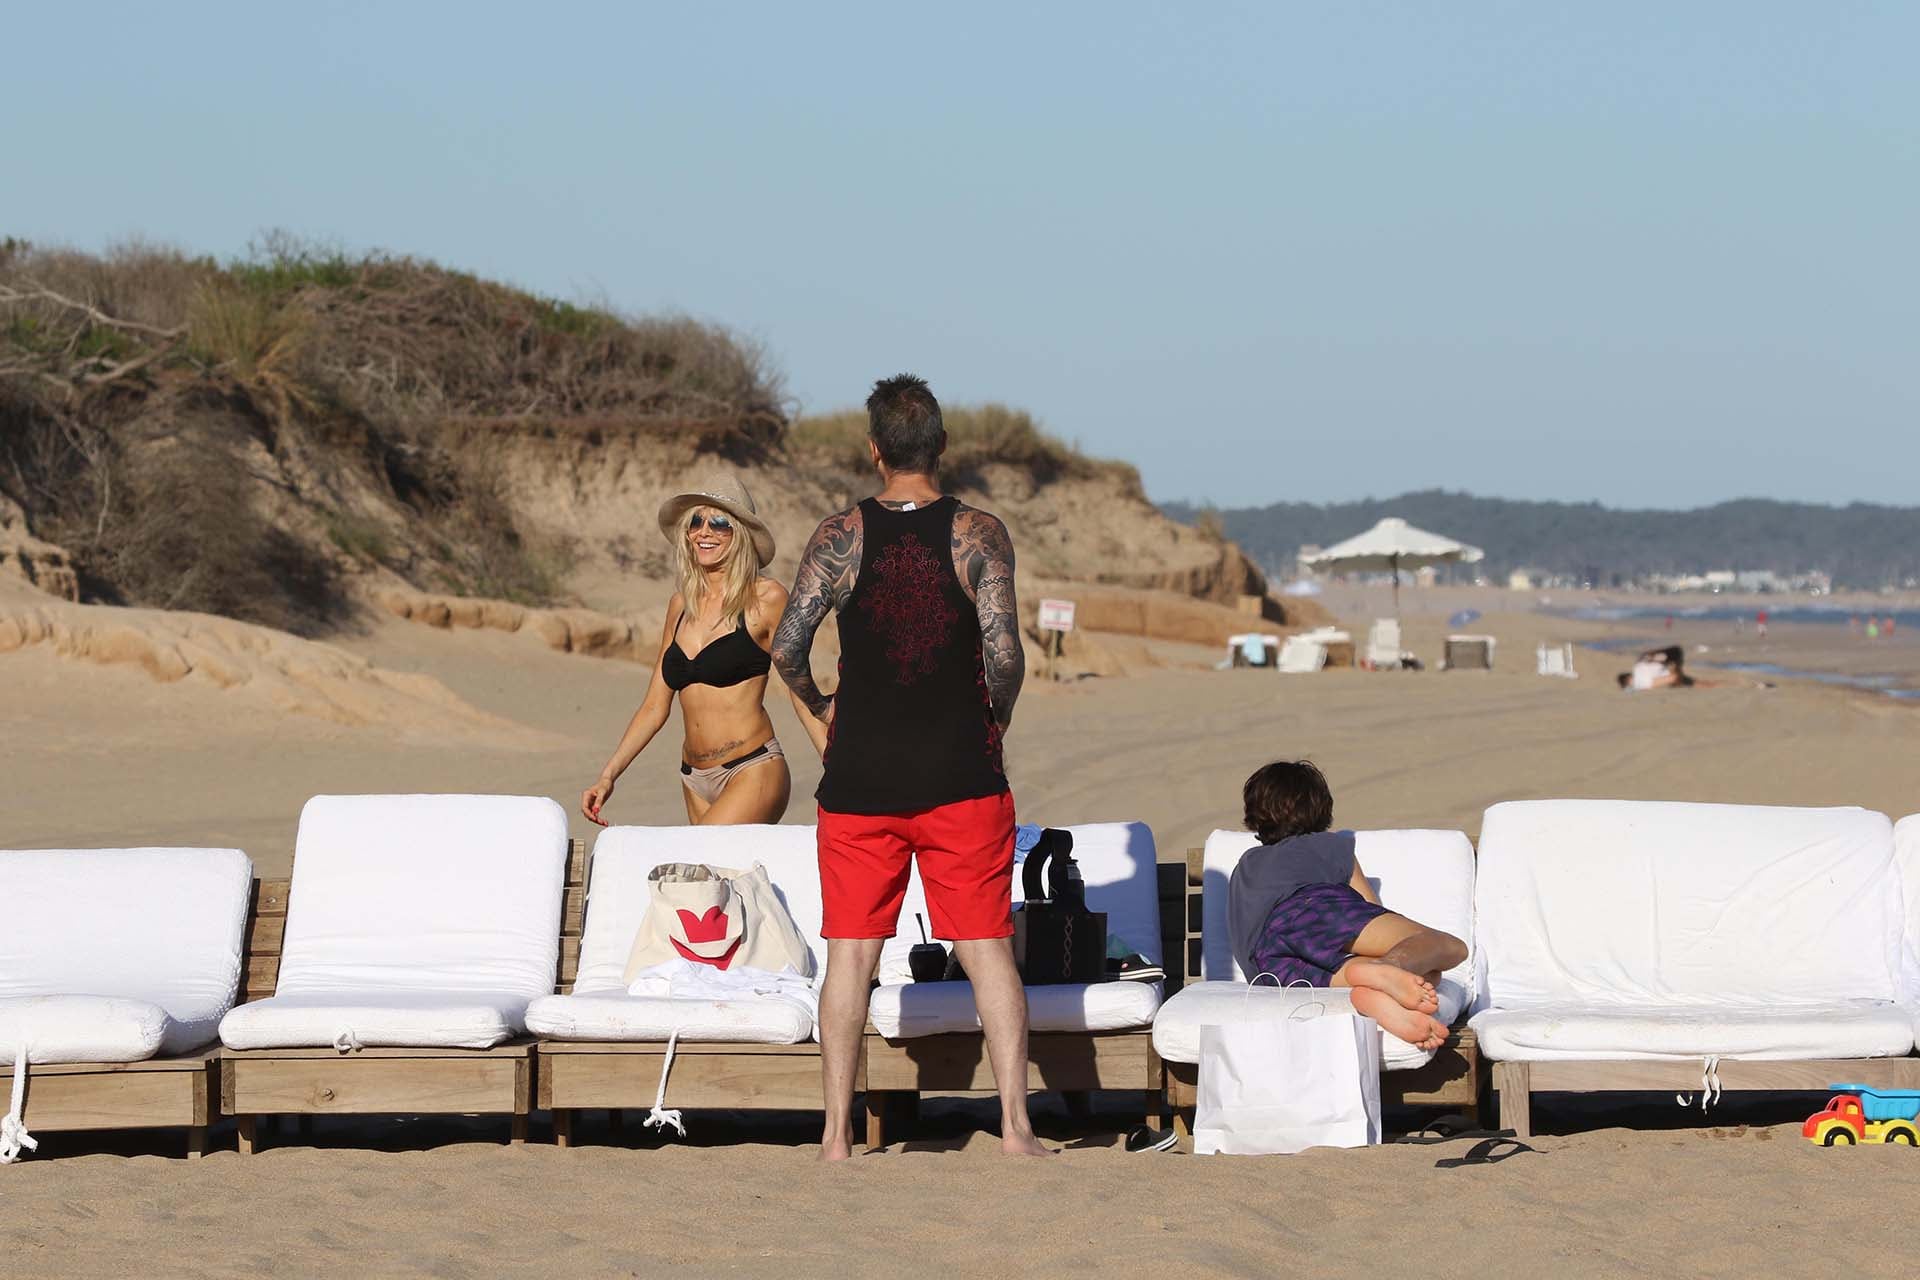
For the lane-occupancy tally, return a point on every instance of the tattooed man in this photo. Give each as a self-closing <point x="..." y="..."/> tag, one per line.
<point x="930" y="665"/>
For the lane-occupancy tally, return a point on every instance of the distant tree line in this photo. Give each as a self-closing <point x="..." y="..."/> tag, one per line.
<point x="1859" y="545"/>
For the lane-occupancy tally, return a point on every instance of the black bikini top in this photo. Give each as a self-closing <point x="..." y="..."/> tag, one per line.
<point x="732" y="659"/>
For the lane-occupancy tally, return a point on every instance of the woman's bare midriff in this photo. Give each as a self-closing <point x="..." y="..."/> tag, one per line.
<point x="723" y="724"/>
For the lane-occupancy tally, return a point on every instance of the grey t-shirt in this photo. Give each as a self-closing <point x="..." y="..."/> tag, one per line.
<point x="1269" y="874"/>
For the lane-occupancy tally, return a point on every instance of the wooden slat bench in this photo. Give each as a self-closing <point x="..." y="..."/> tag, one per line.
<point x="1454" y="1078"/>
<point x="157" y="1093"/>
<point x="1073" y="1063"/>
<point x="380" y="1081"/>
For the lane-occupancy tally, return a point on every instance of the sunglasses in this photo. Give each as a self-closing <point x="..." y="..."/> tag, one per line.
<point x="719" y="524"/>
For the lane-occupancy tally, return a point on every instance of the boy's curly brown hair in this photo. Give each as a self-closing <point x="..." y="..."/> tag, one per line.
<point x="1287" y="798"/>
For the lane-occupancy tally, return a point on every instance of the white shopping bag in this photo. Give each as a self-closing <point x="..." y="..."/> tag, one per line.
<point x="1273" y="1086"/>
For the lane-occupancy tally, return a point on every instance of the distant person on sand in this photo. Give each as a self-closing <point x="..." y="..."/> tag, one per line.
<point x="1873" y="628"/>
<point x="1658" y="669"/>
<point x="713" y="654"/>
<point x="1760" y="624"/>
<point x="930" y="665"/>
<point x="1300" y="908"/>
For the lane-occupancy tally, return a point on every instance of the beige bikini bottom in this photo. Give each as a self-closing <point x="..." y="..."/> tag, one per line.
<point x="708" y="783"/>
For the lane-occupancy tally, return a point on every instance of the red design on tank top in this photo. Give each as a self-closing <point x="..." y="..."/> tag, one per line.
<point x="905" y="605"/>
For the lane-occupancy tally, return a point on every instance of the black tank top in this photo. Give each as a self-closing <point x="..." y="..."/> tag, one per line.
<point x="913" y="727"/>
<point x="732" y="659"/>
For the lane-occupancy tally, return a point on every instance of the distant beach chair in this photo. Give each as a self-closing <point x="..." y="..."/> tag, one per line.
<point x="416" y="931"/>
<point x="1428" y="875"/>
<point x="1300" y="654"/>
<point x="926" y="1036"/>
<point x="600" y="1047"/>
<point x="1383" y="645"/>
<point x="1555" y="660"/>
<point x="1761" y="950"/>
<point x="116" y="966"/>
<point x="1467" y="653"/>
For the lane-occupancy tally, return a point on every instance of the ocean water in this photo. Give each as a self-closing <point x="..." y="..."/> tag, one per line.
<point x="1825" y="614"/>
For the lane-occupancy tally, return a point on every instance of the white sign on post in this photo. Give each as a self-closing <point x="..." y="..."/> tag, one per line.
<point x="1056" y="615"/>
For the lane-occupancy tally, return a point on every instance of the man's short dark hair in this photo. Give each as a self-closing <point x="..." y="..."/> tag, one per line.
<point x="903" y="420"/>
<point x="1287" y="798"/>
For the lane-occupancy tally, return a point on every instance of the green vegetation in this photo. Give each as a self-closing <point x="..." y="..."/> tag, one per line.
<point x="978" y="436"/>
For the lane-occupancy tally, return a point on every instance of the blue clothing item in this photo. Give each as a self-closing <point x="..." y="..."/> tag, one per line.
<point x="1025" y="836"/>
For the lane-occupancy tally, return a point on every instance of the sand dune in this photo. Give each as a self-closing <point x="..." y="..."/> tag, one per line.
<point x="264" y="670"/>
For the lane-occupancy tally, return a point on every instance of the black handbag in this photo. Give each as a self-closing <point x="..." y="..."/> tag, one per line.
<point x="1055" y="938"/>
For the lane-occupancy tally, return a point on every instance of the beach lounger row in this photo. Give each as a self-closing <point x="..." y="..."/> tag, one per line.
<point x="454" y="954"/>
<point x="460" y="955"/>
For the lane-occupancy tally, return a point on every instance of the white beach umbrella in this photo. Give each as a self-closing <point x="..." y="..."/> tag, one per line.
<point x="1393" y="545"/>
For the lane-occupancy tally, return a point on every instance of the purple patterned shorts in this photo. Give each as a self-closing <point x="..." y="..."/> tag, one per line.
<point x="1311" y="933"/>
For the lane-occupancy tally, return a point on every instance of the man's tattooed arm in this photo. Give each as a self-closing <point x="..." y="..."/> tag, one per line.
<point x="827" y="570"/>
<point x="983" y="555"/>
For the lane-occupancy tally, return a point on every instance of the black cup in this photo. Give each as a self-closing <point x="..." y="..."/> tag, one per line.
<point x="927" y="961"/>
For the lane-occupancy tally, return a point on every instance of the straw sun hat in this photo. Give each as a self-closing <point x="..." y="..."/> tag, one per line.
<point x="730" y="496"/>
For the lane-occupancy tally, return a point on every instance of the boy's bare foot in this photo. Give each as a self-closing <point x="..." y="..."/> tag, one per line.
<point x="1410" y="989"/>
<point x="1421" y="1030"/>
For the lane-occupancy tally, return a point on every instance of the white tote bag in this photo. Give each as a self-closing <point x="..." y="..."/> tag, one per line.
<point x="1277" y="1086"/>
<point x="717" y="916"/>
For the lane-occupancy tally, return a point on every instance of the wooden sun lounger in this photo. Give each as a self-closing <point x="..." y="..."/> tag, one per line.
<point x="155" y="1093"/>
<point x="1517" y="1082"/>
<point x="1455" y="1078"/>
<point x="379" y="1081"/>
<point x="1073" y="1063"/>
<point x="623" y="1075"/>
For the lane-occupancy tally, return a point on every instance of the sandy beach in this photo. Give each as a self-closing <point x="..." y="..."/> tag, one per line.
<point x="104" y="754"/>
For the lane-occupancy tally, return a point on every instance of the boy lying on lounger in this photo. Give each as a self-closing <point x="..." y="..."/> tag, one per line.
<point x="1299" y="907"/>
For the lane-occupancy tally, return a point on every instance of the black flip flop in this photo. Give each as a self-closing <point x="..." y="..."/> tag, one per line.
<point x="1487" y="1151"/>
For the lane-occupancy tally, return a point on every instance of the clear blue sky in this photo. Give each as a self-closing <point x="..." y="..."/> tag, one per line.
<point x="1654" y="254"/>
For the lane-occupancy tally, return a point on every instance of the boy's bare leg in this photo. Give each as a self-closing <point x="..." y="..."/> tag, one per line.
<point x="1002" y="1002"/>
<point x="843" y="1020"/>
<point x="1409" y="945"/>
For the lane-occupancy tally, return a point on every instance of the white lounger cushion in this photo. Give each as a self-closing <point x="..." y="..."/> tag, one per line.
<point x="156" y="927"/>
<point x="1906" y="854"/>
<point x="353" y="1019"/>
<point x="1117" y="863"/>
<point x="617" y="898"/>
<point x="1641" y="904"/>
<point x="931" y="1008"/>
<point x="1424" y="875"/>
<point x="414" y="920"/>
<point x="1790" y="1032"/>
<point x="80" y="1028"/>
<point x="1618" y="929"/>
<point x="617" y="1016"/>
<point x="1176" y="1028"/>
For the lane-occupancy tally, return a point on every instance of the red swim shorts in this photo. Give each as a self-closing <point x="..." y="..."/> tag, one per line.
<point x="966" y="863"/>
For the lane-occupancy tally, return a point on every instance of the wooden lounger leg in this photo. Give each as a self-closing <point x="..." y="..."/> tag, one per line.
<point x="249" y="1129"/>
<point x="562" y="1127"/>
<point x="1183" y="1121"/>
<point x="517" y="1135"/>
<point x="1511" y="1081"/>
<point x="196" y="1141"/>
<point x="876" y="1120"/>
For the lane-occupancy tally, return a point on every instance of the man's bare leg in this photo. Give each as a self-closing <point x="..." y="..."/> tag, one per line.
<point x="843" y="1020"/>
<point x="1002" y="1001"/>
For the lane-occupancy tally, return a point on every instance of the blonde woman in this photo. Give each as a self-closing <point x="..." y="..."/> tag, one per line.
<point x="713" y="654"/>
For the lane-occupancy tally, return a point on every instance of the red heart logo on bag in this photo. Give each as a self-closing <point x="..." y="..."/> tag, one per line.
<point x="711" y="927"/>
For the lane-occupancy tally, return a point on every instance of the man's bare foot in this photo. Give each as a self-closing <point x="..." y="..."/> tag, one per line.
<point x="1410" y="989"/>
<point x="1421" y="1030"/>
<point x="835" y="1147"/>
<point x="1017" y="1144"/>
